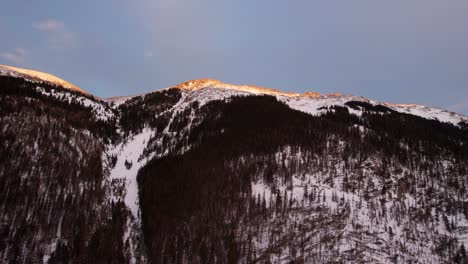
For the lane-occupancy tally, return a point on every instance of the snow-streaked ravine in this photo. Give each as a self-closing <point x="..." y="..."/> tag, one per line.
<point x="129" y="153"/>
<point x="125" y="170"/>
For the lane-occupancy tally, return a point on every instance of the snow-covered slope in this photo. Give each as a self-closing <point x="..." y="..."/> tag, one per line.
<point x="429" y="112"/>
<point x="206" y="90"/>
<point x="57" y="89"/>
<point x="37" y="76"/>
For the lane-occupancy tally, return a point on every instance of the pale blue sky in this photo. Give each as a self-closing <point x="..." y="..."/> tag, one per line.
<point x="404" y="51"/>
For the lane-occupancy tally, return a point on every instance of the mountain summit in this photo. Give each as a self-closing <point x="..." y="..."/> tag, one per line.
<point x="38" y="76"/>
<point x="212" y="83"/>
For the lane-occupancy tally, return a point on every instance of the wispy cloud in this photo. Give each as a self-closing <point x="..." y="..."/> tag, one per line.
<point x="148" y="54"/>
<point x="17" y="56"/>
<point x="49" y="25"/>
<point x="57" y="34"/>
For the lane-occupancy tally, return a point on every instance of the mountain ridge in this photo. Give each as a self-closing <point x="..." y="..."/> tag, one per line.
<point x="38" y="76"/>
<point x="207" y="83"/>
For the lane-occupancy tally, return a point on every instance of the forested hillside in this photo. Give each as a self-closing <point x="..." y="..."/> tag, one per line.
<point x="269" y="184"/>
<point x="54" y="204"/>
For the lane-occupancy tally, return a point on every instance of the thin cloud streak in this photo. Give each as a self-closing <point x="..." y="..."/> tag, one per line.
<point x="18" y="56"/>
<point x="148" y="54"/>
<point x="56" y="34"/>
<point x="49" y="25"/>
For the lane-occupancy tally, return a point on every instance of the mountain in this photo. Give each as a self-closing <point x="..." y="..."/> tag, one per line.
<point x="37" y="77"/>
<point x="208" y="172"/>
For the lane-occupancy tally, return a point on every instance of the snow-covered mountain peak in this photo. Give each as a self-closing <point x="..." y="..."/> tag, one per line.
<point x="37" y="76"/>
<point x="198" y="84"/>
<point x="212" y="83"/>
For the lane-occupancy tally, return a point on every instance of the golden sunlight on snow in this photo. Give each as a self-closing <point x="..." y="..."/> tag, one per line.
<point x="37" y="75"/>
<point x="211" y="83"/>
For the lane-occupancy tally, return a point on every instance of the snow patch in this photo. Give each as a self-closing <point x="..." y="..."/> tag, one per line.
<point x="127" y="166"/>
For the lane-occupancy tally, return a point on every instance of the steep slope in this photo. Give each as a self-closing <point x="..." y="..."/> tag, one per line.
<point x="56" y="201"/>
<point x="251" y="180"/>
